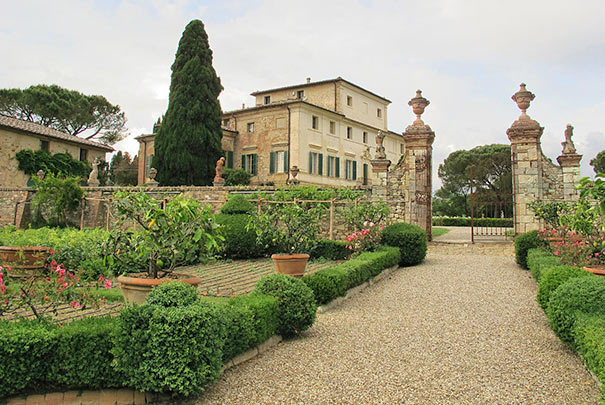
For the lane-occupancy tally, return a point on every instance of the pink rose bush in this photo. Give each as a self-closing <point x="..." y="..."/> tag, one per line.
<point x="366" y="239"/>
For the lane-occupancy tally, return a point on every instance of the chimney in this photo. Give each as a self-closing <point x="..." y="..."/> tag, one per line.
<point x="243" y="105"/>
<point x="308" y="80"/>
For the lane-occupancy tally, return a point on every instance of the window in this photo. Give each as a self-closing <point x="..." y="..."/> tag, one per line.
<point x="402" y="148"/>
<point x="379" y="113"/>
<point x="333" y="166"/>
<point x="148" y="160"/>
<point x="365" y="137"/>
<point x="349" y="133"/>
<point x="83" y="155"/>
<point x="332" y="127"/>
<point x="300" y="94"/>
<point x="365" y="174"/>
<point x="350" y="101"/>
<point x="226" y="122"/>
<point x="315" y="122"/>
<point x="350" y="169"/>
<point x="278" y="162"/>
<point x="316" y="163"/>
<point x="229" y="159"/>
<point x="251" y="127"/>
<point x="267" y="99"/>
<point x="45" y="146"/>
<point x="250" y="163"/>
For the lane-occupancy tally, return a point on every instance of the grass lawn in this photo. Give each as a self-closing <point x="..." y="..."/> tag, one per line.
<point x="439" y="231"/>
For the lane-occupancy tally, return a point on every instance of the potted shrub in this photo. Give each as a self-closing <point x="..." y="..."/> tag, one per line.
<point x="180" y="233"/>
<point x="290" y="229"/>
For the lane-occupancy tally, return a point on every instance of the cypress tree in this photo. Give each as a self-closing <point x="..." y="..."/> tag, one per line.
<point x="188" y="143"/>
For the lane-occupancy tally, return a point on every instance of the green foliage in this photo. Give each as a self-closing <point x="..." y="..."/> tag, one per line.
<point x="25" y="347"/>
<point x="188" y="143"/>
<point x="330" y="250"/>
<point x="65" y="110"/>
<point x="492" y="172"/>
<point x="182" y="233"/>
<point x="598" y="163"/>
<point x="310" y="193"/>
<point x="58" y="164"/>
<point x="238" y="204"/>
<point x="173" y="294"/>
<point x="236" y="177"/>
<point x="123" y="170"/>
<point x="524" y="242"/>
<point x="264" y="311"/>
<point x="548" y="211"/>
<point x="174" y="350"/>
<point x="57" y="198"/>
<point x="240" y="241"/>
<point x="297" y="307"/>
<point x="76" y="249"/>
<point x="576" y="295"/>
<point x="466" y="221"/>
<point x="552" y="277"/>
<point x="538" y="260"/>
<point x="589" y="340"/>
<point x="439" y="231"/>
<point x="365" y="212"/>
<point x="327" y="284"/>
<point x="410" y="239"/>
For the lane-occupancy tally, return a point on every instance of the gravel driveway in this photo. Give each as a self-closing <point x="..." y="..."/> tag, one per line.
<point x="458" y="329"/>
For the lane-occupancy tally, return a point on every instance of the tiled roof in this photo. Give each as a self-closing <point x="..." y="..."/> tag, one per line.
<point x="39" y="129"/>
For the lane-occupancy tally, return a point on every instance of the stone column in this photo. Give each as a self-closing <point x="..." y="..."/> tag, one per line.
<point x="526" y="158"/>
<point x="570" y="166"/>
<point x="418" y="139"/>
<point x="380" y="169"/>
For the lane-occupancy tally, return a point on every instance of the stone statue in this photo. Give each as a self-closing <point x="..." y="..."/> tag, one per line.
<point x="366" y="154"/>
<point x="380" y="154"/>
<point x="568" y="147"/>
<point x="152" y="182"/>
<point x="218" y="178"/>
<point x="93" y="178"/>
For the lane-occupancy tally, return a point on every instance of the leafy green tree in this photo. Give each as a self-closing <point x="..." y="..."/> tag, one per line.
<point x="188" y="143"/>
<point x="66" y="110"/>
<point x="598" y="163"/>
<point x="123" y="170"/>
<point x="492" y="177"/>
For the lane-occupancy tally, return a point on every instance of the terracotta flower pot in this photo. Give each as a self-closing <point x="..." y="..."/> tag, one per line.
<point x="598" y="269"/>
<point x="25" y="261"/>
<point x="291" y="265"/>
<point x="135" y="289"/>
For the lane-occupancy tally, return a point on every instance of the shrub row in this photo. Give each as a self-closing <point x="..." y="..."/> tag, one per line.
<point x="523" y="243"/>
<point x="572" y="299"/>
<point x="330" y="250"/>
<point x="466" y="221"/>
<point x="334" y="282"/>
<point x="410" y="239"/>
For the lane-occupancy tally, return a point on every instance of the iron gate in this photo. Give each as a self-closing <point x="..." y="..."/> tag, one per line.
<point x="491" y="214"/>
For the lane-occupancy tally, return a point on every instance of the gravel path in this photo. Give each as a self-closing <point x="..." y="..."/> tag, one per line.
<point x="459" y="329"/>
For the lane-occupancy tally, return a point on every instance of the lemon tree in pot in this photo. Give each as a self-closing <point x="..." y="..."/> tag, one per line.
<point x="289" y="228"/>
<point x="153" y="237"/>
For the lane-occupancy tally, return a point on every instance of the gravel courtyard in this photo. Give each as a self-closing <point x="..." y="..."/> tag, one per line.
<point x="462" y="328"/>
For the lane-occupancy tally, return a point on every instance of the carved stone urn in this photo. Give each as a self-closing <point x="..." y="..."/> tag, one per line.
<point x="523" y="98"/>
<point x="418" y="105"/>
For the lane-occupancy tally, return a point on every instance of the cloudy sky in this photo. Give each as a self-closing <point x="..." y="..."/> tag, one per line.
<point x="468" y="57"/>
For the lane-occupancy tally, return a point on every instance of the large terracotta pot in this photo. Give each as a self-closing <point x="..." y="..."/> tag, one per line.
<point x="24" y="261"/>
<point x="292" y="265"/>
<point x="135" y="289"/>
<point x="598" y="269"/>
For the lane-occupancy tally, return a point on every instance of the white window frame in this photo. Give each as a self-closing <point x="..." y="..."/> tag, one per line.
<point x="348" y="169"/>
<point x="314" y="122"/>
<point x="331" y="166"/>
<point x="280" y="161"/>
<point x="333" y="127"/>
<point x="314" y="162"/>
<point x="250" y="127"/>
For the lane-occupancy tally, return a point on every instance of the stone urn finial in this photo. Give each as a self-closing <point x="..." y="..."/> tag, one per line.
<point x="418" y="105"/>
<point x="523" y="98"/>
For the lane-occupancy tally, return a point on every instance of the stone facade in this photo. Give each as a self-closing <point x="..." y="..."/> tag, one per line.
<point x="17" y="135"/>
<point x="535" y="177"/>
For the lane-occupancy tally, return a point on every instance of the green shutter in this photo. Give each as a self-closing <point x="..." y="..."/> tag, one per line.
<point x="244" y="162"/>
<point x="365" y="174"/>
<point x="254" y="164"/>
<point x="320" y="164"/>
<point x="310" y="162"/>
<point x="286" y="162"/>
<point x="230" y="159"/>
<point x="337" y="169"/>
<point x="271" y="162"/>
<point x="354" y="170"/>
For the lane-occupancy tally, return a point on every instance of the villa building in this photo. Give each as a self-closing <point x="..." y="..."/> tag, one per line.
<point x="326" y="129"/>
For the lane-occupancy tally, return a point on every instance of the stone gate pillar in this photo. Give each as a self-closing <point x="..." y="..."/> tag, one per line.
<point x="417" y="164"/>
<point x="526" y="153"/>
<point x="570" y="166"/>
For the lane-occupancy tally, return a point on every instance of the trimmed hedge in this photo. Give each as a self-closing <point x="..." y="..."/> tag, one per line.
<point x="589" y="340"/>
<point x="552" y="277"/>
<point x="297" y="307"/>
<point x="239" y="243"/>
<point x="334" y="282"/>
<point x="330" y="250"/>
<point x="577" y="295"/>
<point x="173" y="294"/>
<point x="523" y="243"/>
<point x="238" y="204"/>
<point x="538" y="260"/>
<point x="465" y="221"/>
<point x="410" y="239"/>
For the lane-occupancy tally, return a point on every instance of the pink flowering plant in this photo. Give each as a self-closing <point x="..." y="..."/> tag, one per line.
<point x="366" y="239"/>
<point x="43" y="295"/>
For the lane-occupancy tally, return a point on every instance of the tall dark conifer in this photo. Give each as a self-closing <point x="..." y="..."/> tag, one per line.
<point x="188" y="143"/>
